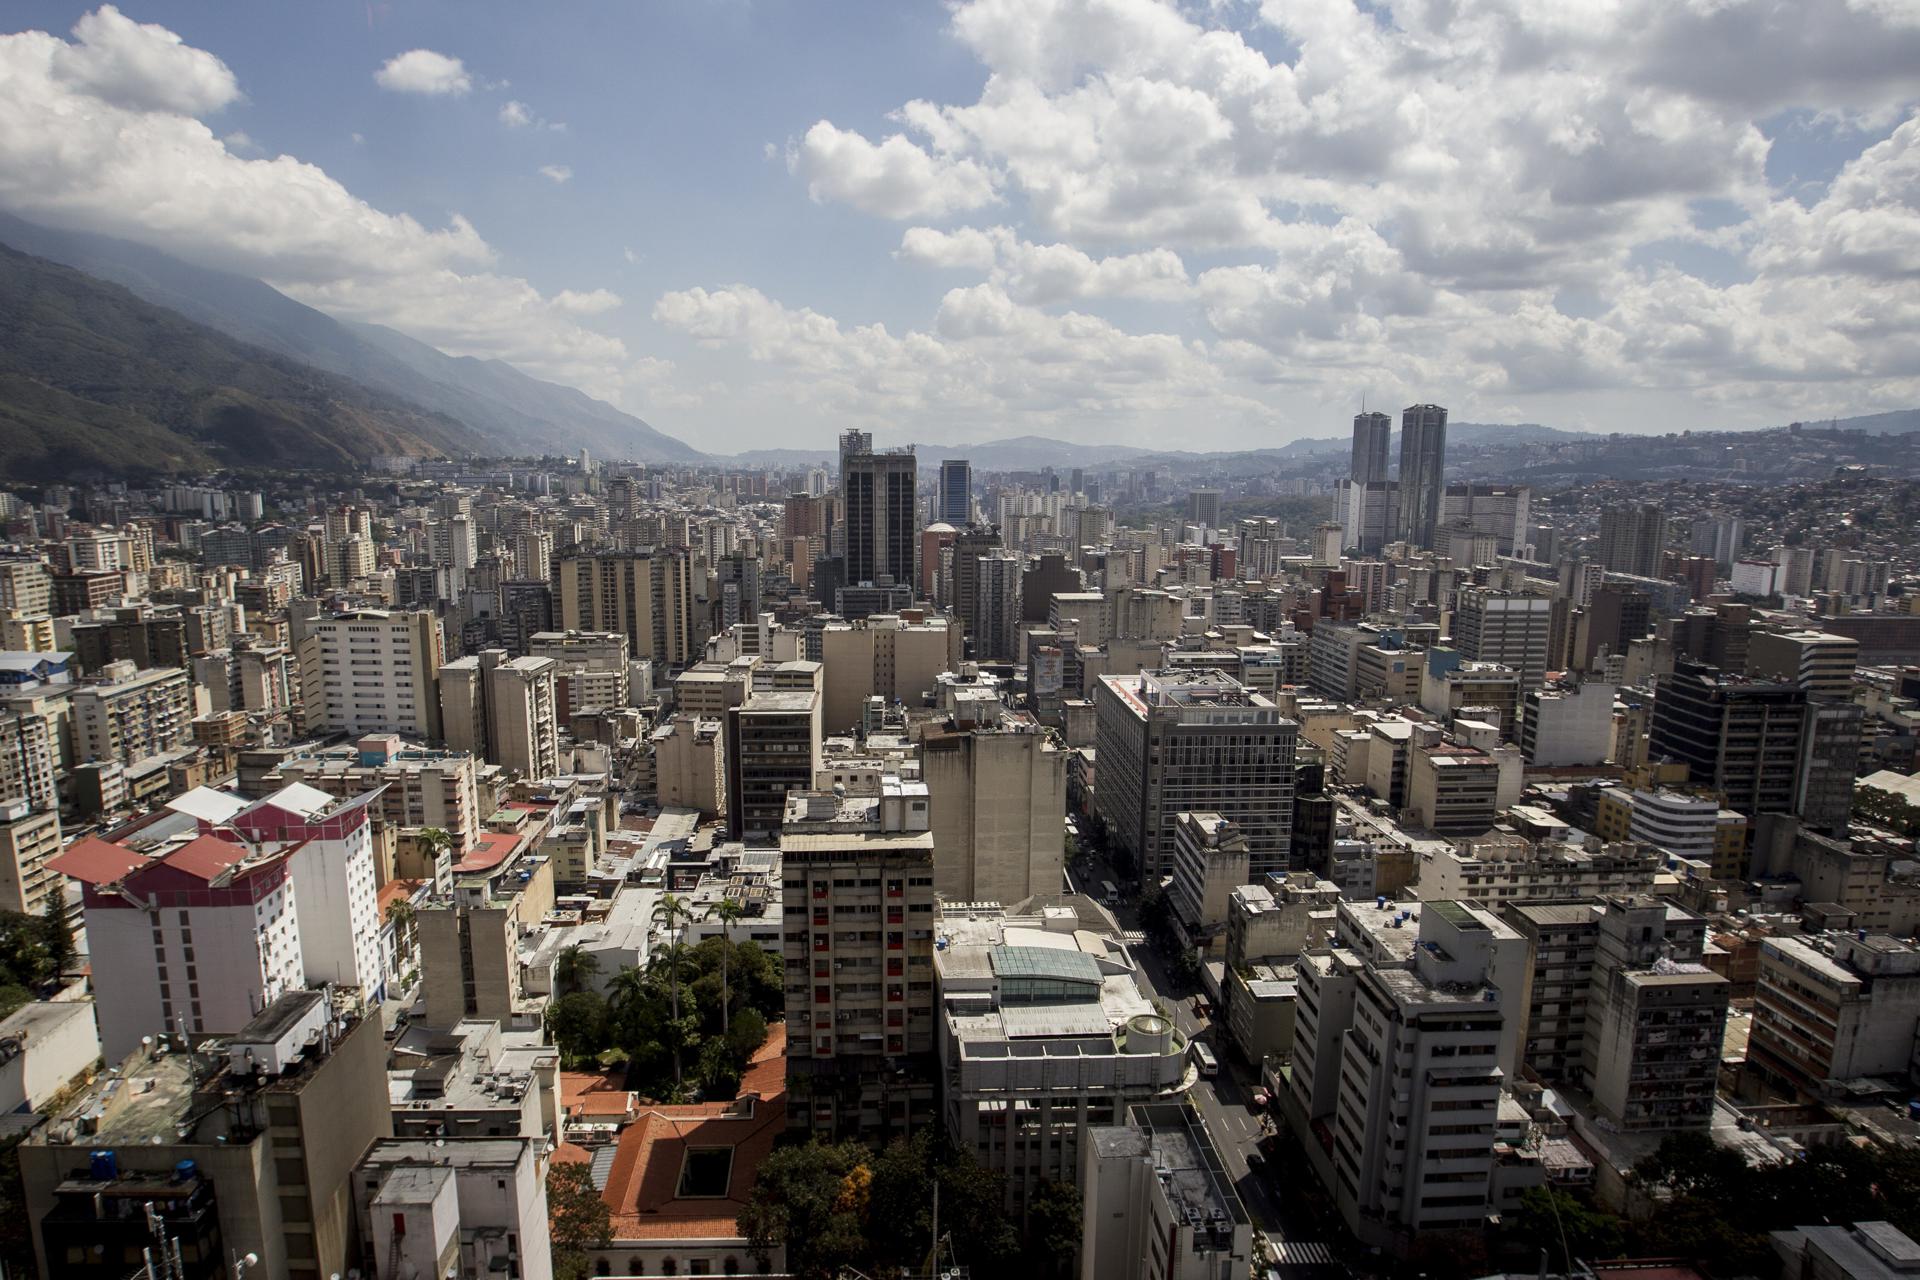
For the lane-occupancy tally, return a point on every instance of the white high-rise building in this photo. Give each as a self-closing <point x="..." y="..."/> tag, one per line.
<point x="370" y="671"/>
<point x="1408" y="1031"/>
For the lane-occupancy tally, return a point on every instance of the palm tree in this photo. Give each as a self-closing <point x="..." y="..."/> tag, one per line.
<point x="573" y="969"/>
<point x="729" y="910"/>
<point x="401" y="915"/>
<point x="431" y="841"/>
<point x="675" y="913"/>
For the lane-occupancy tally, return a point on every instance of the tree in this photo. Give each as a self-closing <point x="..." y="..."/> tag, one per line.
<point x="577" y="1023"/>
<point x="746" y="1035"/>
<point x="578" y="1219"/>
<point x="807" y="1198"/>
<point x="23" y="950"/>
<point x="729" y="910"/>
<point x="718" y="1071"/>
<point x="1561" y="1224"/>
<point x="58" y="935"/>
<point x="674" y="912"/>
<point x="573" y="969"/>
<point x="1053" y="1230"/>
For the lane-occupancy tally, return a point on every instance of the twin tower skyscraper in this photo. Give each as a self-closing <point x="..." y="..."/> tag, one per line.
<point x="1375" y="509"/>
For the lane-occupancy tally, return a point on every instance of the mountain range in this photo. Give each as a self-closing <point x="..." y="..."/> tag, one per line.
<point x="488" y="406"/>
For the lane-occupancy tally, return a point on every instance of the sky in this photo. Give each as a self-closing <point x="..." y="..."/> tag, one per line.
<point x="1203" y="225"/>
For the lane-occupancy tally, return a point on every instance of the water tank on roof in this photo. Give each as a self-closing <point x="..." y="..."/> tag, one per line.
<point x="103" y="1166"/>
<point x="185" y="1171"/>
<point x="1149" y="1033"/>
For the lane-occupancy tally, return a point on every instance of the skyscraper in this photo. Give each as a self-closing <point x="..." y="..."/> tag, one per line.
<point x="882" y="525"/>
<point x="1203" y="508"/>
<point x="953" y="502"/>
<point x="1423" y="463"/>
<point x="1632" y="538"/>
<point x="1371" y="432"/>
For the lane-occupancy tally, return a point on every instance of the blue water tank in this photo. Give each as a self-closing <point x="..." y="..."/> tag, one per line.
<point x="1913" y="1109"/>
<point x="103" y="1166"/>
<point x="186" y="1171"/>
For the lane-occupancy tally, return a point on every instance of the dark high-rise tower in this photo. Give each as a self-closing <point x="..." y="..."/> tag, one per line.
<point x="1371" y="432"/>
<point x="882" y="512"/>
<point x="953" y="500"/>
<point x="1423" y="464"/>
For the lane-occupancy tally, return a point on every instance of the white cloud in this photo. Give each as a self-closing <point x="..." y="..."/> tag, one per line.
<point x="633" y="256"/>
<point x="894" y="178"/>
<point x="74" y="158"/>
<point x="1047" y="273"/>
<point x="1400" y="195"/>
<point x="518" y="115"/>
<point x="556" y="173"/>
<point x="426" y="72"/>
<point x="141" y="66"/>
<point x="592" y="302"/>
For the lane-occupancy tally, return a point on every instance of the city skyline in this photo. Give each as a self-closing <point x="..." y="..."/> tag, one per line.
<point x="1209" y="236"/>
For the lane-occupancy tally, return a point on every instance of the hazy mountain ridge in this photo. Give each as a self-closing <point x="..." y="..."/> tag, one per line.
<point x="513" y="412"/>
<point x="93" y="377"/>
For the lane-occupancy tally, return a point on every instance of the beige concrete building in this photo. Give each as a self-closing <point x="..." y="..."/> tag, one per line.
<point x="645" y="595"/>
<point x="1210" y="858"/>
<point x="504" y="710"/>
<point x="28" y="838"/>
<point x="999" y="793"/>
<point x="370" y="671"/>
<point x="891" y="656"/>
<point x="129" y="714"/>
<point x="1817" y="661"/>
<point x="270" y="1122"/>
<point x="593" y="665"/>
<point x="1452" y="790"/>
<point x="689" y="764"/>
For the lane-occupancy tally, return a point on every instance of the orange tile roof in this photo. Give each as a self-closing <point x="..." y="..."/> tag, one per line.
<point x="490" y="850"/>
<point x="396" y="891"/>
<point x="92" y="860"/>
<point x="595" y="1093"/>
<point x="642" y="1188"/>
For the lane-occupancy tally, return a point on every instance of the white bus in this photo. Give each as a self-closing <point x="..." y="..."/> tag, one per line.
<point x="1110" y="893"/>
<point x="1204" y="1059"/>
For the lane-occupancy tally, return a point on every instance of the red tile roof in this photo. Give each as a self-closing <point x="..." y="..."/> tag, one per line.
<point x="396" y="891"/>
<point x="490" y="849"/>
<point x="205" y="857"/>
<point x="642" y="1188"/>
<point x="92" y="860"/>
<point x="595" y="1093"/>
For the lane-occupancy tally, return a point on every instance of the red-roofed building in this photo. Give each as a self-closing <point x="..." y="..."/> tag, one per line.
<point x="198" y="935"/>
<point x="680" y="1175"/>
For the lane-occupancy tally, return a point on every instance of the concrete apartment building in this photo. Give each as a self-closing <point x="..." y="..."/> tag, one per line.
<point x="459" y="1206"/>
<point x="1449" y="683"/>
<point x="29" y="840"/>
<point x="1819" y="662"/>
<point x="772" y="748"/>
<point x="1831" y="1008"/>
<point x="1451" y="789"/>
<point x="1505" y="627"/>
<point x="690" y="764"/>
<point x="418" y="787"/>
<point x="128" y="714"/>
<point x="1499" y="868"/>
<point x="1199" y="742"/>
<point x="1562" y="725"/>
<point x="1560" y="945"/>
<point x="504" y="710"/>
<point x="370" y="671"/>
<point x="858" y="900"/>
<point x="645" y="595"/>
<point x="594" y="665"/>
<point x="1407" y="1033"/>
<point x="998" y="784"/>
<point x="1210" y="860"/>
<point x="888" y="656"/>
<point x="1655" y="1018"/>
<point x="1159" y="1204"/>
<point x="1044" y="1033"/>
<point x="1688" y="826"/>
<point x="246" y="1146"/>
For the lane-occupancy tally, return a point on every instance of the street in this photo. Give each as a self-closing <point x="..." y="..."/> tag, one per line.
<point x="1303" y="1242"/>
